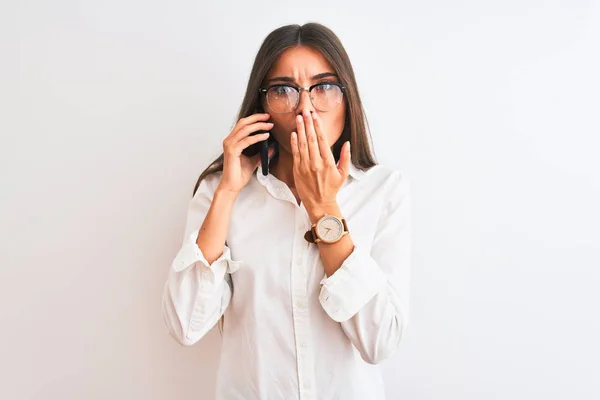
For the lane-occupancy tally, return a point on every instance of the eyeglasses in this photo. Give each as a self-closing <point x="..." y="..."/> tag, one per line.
<point x="284" y="98"/>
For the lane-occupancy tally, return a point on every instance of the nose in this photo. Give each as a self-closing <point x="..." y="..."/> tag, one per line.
<point x="304" y="102"/>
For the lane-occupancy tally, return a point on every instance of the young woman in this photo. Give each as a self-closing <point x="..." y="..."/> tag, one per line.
<point x="306" y="268"/>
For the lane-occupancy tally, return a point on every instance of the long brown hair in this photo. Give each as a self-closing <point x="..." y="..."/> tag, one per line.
<point x="324" y="40"/>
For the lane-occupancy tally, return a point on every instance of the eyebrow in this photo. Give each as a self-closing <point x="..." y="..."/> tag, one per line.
<point x="314" y="78"/>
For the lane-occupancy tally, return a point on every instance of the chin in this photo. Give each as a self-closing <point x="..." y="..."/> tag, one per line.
<point x="285" y="147"/>
<point x="284" y="142"/>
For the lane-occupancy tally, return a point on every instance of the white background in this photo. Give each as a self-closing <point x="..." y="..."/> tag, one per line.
<point x="109" y="111"/>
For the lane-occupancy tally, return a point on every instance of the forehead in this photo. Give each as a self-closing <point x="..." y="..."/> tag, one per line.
<point x="300" y="62"/>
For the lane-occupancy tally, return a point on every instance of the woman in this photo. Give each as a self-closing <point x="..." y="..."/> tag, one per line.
<point x="309" y="264"/>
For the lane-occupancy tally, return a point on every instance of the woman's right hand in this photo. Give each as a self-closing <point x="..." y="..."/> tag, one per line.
<point x="237" y="167"/>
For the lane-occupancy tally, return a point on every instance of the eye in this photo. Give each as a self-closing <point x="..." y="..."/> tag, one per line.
<point x="325" y="87"/>
<point x="282" y="90"/>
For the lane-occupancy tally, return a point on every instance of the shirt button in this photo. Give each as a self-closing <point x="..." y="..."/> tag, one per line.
<point x="300" y="304"/>
<point x="307" y="385"/>
<point x="303" y="344"/>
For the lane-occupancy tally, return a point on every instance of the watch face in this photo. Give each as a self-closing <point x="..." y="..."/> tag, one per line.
<point x="329" y="229"/>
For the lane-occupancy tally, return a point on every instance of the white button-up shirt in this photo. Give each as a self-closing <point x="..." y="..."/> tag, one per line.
<point x="289" y="331"/>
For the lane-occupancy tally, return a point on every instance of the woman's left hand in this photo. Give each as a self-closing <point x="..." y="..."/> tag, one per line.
<point x="317" y="177"/>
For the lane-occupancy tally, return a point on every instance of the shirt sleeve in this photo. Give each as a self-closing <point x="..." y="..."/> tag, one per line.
<point x="369" y="293"/>
<point x="197" y="293"/>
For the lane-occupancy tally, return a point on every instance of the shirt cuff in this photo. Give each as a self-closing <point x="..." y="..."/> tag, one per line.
<point x="190" y="254"/>
<point x="352" y="286"/>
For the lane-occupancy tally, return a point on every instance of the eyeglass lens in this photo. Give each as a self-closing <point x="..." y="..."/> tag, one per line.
<point x="324" y="97"/>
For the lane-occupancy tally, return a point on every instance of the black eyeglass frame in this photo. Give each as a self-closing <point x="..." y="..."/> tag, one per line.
<point x="264" y="91"/>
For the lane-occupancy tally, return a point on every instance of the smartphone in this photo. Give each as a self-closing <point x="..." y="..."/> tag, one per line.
<point x="261" y="147"/>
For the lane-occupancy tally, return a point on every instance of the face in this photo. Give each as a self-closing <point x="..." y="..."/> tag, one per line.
<point x="300" y="66"/>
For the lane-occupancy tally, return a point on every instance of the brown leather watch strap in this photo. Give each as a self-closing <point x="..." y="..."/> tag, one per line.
<point x="311" y="235"/>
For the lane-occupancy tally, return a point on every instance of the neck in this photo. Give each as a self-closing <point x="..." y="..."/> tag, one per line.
<point x="282" y="168"/>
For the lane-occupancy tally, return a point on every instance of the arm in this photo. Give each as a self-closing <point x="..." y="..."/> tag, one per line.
<point x="368" y="292"/>
<point x="197" y="289"/>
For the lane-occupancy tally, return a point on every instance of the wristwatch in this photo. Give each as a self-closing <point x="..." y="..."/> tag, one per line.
<point x="328" y="229"/>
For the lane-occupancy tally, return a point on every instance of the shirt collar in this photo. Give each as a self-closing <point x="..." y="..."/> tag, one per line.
<point x="279" y="189"/>
<point x="355" y="173"/>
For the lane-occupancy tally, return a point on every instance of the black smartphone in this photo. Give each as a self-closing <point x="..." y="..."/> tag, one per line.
<point x="261" y="147"/>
